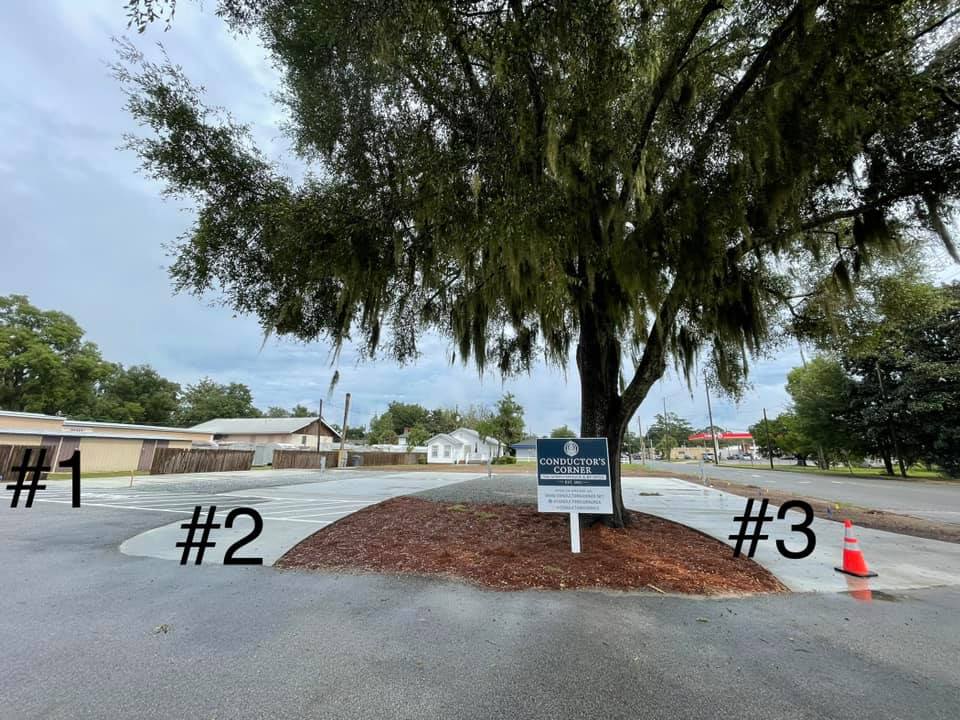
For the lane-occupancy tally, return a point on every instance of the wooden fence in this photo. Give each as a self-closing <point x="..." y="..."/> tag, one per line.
<point x="176" y="460"/>
<point x="11" y="456"/>
<point x="311" y="459"/>
<point x="289" y="459"/>
<point x="387" y="458"/>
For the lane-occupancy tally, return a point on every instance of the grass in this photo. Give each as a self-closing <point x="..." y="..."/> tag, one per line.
<point x="915" y="473"/>
<point x="89" y="475"/>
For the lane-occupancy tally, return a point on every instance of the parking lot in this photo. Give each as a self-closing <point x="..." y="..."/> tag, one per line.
<point x="91" y="632"/>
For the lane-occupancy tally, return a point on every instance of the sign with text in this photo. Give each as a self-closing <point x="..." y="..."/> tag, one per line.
<point x="573" y="476"/>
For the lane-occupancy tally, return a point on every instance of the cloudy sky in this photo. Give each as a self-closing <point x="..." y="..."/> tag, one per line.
<point x="84" y="233"/>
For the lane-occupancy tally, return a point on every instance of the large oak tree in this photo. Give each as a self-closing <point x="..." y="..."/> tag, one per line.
<point x="628" y="181"/>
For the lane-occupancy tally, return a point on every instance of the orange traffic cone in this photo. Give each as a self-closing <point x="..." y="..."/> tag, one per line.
<point x="853" y="560"/>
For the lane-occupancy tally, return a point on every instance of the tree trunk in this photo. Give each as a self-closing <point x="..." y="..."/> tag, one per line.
<point x="601" y="415"/>
<point x="887" y="462"/>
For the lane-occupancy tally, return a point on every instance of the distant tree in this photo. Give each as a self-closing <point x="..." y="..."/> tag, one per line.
<point x="716" y="429"/>
<point x="894" y="338"/>
<point x="45" y="365"/>
<point x="474" y="417"/>
<point x="406" y="415"/>
<point x="631" y="442"/>
<point x="208" y="400"/>
<point x="275" y="411"/>
<point x="665" y="445"/>
<point x="505" y="422"/>
<point x="355" y="433"/>
<point x="821" y="405"/>
<point x="382" y="429"/>
<point x="630" y="181"/>
<point x="906" y="383"/>
<point x="672" y="425"/>
<point x="137" y="394"/>
<point x="418" y="435"/>
<point x="301" y="411"/>
<point x="562" y="432"/>
<point x="442" y="420"/>
<point x="785" y="436"/>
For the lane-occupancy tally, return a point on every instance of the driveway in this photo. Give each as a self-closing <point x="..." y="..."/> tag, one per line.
<point x="934" y="500"/>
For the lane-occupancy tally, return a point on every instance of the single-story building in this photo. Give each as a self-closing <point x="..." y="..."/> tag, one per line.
<point x="525" y="450"/>
<point x="299" y="431"/>
<point x="104" y="447"/>
<point x="462" y="445"/>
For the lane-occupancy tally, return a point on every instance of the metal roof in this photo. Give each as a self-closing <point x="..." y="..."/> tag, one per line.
<point x="36" y="416"/>
<point x="258" y="426"/>
<point x="97" y="424"/>
<point x="85" y="435"/>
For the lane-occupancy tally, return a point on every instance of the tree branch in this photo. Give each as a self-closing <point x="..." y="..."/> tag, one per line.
<point x="653" y="362"/>
<point x="662" y="87"/>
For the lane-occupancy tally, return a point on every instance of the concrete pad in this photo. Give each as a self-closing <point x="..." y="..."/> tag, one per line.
<point x="277" y="537"/>
<point x="901" y="561"/>
<point x="290" y="513"/>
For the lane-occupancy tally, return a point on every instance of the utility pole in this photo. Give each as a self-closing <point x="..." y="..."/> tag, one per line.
<point x="319" y="425"/>
<point x="342" y="459"/>
<point x="766" y="427"/>
<point x="890" y="426"/>
<point x="666" y="428"/>
<point x="643" y="443"/>
<point x="713" y="430"/>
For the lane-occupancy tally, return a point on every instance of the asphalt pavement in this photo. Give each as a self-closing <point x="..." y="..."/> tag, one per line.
<point x="88" y="632"/>
<point x="934" y="500"/>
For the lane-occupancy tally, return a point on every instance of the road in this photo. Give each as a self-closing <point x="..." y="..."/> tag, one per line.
<point x="927" y="499"/>
<point x="88" y="632"/>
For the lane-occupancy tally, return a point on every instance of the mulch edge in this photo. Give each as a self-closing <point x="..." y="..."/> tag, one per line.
<point x="349" y="568"/>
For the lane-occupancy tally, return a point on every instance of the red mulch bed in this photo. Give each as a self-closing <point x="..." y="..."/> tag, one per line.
<point x="510" y="547"/>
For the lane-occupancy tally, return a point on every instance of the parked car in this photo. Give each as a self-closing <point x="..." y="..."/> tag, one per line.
<point x="747" y="456"/>
<point x="708" y="457"/>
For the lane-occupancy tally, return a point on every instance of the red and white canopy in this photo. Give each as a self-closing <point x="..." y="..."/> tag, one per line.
<point x="722" y="436"/>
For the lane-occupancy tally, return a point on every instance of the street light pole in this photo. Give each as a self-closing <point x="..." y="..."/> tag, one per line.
<point x="766" y="427"/>
<point x="342" y="459"/>
<point x="713" y="429"/>
<point x="319" y="425"/>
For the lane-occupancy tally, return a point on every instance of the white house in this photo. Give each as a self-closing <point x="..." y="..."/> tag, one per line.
<point x="463" y="445"/>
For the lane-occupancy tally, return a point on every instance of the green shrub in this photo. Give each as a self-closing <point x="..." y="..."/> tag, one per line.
<point x="505" y="460"/>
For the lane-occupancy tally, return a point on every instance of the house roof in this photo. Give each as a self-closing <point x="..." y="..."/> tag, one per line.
<point x="467" y="431"/>
<point x="527" y="443"/>
<point x="35" y="416"/>
<point x="107" y="425"/>
<point x="444" y="436"/>
<point x="72" y="434"/>
<point x="259" y="426"/>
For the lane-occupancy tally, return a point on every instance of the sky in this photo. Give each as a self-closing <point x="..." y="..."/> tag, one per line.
<point x="84" y="233"/>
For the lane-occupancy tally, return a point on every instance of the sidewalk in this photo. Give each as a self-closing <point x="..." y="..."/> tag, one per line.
<point x="902" y="562"/>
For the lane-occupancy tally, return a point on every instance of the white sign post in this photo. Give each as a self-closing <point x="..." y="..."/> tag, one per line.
<point x="573" y="476"/>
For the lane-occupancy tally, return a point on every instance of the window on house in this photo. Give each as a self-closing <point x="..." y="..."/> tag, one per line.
<point x="434" y="451"/>
<point x="303" y="439"/>
<point x="446" y="450"/>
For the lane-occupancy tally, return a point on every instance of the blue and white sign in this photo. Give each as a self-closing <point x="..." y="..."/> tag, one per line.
<point x="573" y="476"/>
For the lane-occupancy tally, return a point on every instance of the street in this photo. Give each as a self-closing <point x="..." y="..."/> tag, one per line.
<point x="90" y="632"/>
<point x="927" y="499"/>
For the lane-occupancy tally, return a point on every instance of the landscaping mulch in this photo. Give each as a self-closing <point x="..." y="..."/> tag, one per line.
<point x="508" y="547"/>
